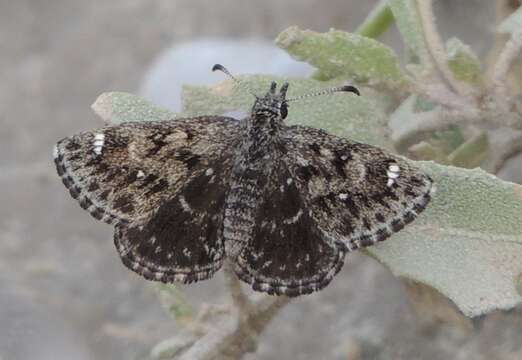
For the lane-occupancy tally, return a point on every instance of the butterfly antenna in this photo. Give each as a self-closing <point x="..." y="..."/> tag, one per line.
<point x="345" y="88"/>
<point x="219" y="67"/>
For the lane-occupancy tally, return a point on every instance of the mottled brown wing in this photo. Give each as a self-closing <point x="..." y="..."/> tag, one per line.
<point x="275" y="244"/>
<point x="162" y="184"/>
<point x="182" y="240"/>
<point x="120" y="174"/>
<point x="357" y="194"/>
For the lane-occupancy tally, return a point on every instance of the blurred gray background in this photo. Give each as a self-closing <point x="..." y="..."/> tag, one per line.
<point x="64" y="293"/>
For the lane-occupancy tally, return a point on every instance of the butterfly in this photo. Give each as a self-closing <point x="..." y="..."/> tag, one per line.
<point x="282" y="204"/>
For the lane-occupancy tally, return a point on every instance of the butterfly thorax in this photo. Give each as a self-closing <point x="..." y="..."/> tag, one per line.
<point x="263" y="131"/>
<point x="264" y="126"/>
<point x="260" y="145"/>
<point x="260" y="155"/>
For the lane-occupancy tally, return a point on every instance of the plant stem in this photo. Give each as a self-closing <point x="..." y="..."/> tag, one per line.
<point x="510" y="144"/>
<point x="426" y="122"/>
<point x="507" y="56"/>
<point x="440" y="94"/>
<point x="437" y="49"/>
<point x="239" y="298"/>
<point x="231" y="338"/>
<point x="441" y="119"/>
<point x="377" y="21"/>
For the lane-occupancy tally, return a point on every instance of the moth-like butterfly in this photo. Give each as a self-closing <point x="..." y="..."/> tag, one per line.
<point x="283" y="204"/>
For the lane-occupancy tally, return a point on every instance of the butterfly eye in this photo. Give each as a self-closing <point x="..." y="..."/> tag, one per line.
<point x="283" y="110"/>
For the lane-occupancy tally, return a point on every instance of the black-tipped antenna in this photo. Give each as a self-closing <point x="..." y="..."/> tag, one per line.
<point x="226" y="72"/>
<point x="345" y="88"/>
<point x="223" y="69"/>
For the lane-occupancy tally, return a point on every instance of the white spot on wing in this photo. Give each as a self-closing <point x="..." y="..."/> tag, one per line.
<point x="184" y="204"/>
<point x="325" y="152"/>
<point x="343" y="196"/>
<point x="301" y="161"/>
<point x="289" y="181"/>
<point x="266" y="264"/>
<point x="140" y="174"/>
<point x="209" y="171"/>
<point x="294" y="219"/>
<point x="394" y="168"/>
<point x="159" y="275"/>
<point x="392" y="173"/>
<point x="264" y="287"/>
<point x="55" y="152"/>
<point x="99" y="140"/>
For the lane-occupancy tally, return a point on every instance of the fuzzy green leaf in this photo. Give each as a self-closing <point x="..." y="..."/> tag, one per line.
<point x="471" y="153"/>
<point x="468" y="242"/>
<point x="428" y="151"/>
<point x="345" y="114"/>
<point x="463" y="62"/>
<point x="377" y="21"/>
<point x="338" y="53"/>
<point x="118" y="107"/>
<point x="410" y="26"/>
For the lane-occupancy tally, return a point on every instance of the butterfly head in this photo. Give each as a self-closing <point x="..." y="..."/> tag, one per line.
<point x="273" y="105"/>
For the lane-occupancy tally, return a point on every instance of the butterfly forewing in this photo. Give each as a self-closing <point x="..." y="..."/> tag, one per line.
<point x="357" y="193"/>
<point x="121" y="173"/>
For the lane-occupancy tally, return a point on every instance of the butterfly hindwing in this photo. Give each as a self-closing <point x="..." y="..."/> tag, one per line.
<point x="277" y="247"/>
<point x="182" y="240"/>
<point x="357" y="193"/>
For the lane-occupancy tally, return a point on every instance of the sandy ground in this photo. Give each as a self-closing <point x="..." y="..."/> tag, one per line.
<point x="63" y="291"/>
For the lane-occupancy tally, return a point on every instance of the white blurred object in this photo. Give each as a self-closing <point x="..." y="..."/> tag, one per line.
<point x="191" y="63"/>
